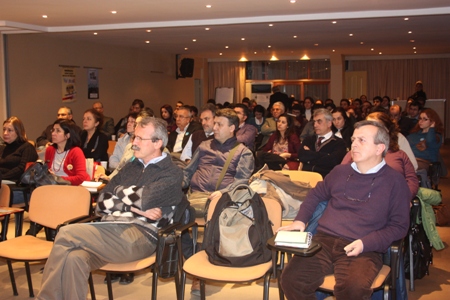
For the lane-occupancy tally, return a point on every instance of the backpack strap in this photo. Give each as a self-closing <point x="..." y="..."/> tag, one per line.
<point x="227" y="163"/>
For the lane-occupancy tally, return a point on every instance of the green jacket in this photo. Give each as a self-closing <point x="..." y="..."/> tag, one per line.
<point x="429" y="197"/>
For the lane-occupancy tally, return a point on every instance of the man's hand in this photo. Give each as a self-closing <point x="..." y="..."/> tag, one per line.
<point x="306" y="147"/>
<point x="152" y="213"/>
<point x="215" y="196"/>
<point x="285" y="155"/>
<point x="355" y="248"/>
<point x="296" y="225"/>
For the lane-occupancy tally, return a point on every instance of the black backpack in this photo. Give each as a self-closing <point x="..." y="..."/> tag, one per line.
<point x="237" y="234"/>
<point x="422" y="253"/>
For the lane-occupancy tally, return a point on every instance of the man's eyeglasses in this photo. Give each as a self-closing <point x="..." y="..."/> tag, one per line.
<point x="352" y="188"/>
<point x="140" y="139"/>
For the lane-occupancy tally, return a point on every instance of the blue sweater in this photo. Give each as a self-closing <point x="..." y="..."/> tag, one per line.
<point x="431" y="138"/>
<point x="378" y="219"/>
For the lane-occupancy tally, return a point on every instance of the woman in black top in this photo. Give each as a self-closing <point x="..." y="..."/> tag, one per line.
<point x="93" y="142"/>
<point x="342" y="126"/>
<point x="18" y="151"/>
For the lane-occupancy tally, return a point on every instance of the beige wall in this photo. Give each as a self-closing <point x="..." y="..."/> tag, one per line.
<point x="35" y="78"/>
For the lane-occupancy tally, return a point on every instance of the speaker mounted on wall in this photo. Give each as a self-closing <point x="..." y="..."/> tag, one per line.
<point x="186" y="68"/>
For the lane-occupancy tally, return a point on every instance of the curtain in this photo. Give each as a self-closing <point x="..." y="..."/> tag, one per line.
<point x="227" y="74"/>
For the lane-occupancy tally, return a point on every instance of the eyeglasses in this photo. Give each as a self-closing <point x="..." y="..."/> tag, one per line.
<point x="353" y="188"/>
<point x="423" y="119"/>
<point x="140" y="139"/>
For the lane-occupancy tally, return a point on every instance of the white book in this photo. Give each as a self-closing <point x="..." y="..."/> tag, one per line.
<point x="294" y="239"/>
<point x="91" y="186"/>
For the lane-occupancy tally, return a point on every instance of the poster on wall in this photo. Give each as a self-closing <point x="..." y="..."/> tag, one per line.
<point x="69" y="90"/>
<point x="93" y="91"/>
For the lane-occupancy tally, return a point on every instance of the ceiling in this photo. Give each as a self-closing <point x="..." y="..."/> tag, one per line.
<point x="378" y="26"/>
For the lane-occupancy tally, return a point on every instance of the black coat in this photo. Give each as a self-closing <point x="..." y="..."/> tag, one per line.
<point x="192" y="127"/>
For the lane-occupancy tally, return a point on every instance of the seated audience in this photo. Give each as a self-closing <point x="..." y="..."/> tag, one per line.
<point x="64" y="157"/>
<point x="185" y="127"/>
<point x="123" y="141"/>
<point x="94" y="142"/>
<point x="308" y="104"/>
<point x="386" y="103"/>
<point x="414" y="111"/>
<point x="258" y="120"/>
<point x="342" y="126"/>
<point x="167" y="115"/>
<point x="64" y="113"/>
<point x="108" y="122"/>
<point x="395" y="157"/>
<point x="270" y="124"/>
<point x="135" y="107"/>
<point x="17" y="152"/>
<point x="345" y="103"/>
<point x="323" y="151"/>
<point x="368" y="210"/>
<point x="299" y="121"/>
<point x="281" y="151"/>
<point x="404" y="123"/>
<point x="426" y="138"/>
<point x="82" y="248"/>
<point x="246" y="133"/>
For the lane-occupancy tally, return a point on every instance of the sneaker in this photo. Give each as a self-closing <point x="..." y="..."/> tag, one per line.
<point x="195" y="288"/>
<point x="127" y="279"/>
<point x="114" y="278"/>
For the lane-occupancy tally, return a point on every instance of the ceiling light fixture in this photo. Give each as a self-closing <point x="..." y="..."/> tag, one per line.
<point x="351" y="34"/>
<point x="226" y="47"/>
<point x="95" y="33"/>
<point x="207" y="28"/>
<point x="270" y="25"/>
<point x="316" y="45"/>
<point x="411" y="41"/>
<point x="185" y="49"/>
<point x="380" y="53"/>
<point x="334" y="50"/>
<point x="243" y="59"/>
<point x="220" y="53"/>
<point x="409" y="32"/>
<point x="147" y="42"/>
<point x="305" y="57"/>
<point x="255" y="52"/>
<point x="273" y="58"/>
<point x="415" y="52"/>
<point x="149" y="30"/>
<point x="295" y="36"/>
<point x="114" y="12"/>
<point x="361" y="43"/>
<point x="406" y="19"/>
<point x="45" y="16"/>
<point x="242" y="39"/>
<point x="292" y="1"/>
<point x="371" y="49"/>
<point x="269" y="46"/>
<point x="414" y="48"/>
<point x="194" y="40"/>
<point x="334" y="22"/>
<point x="208" y="5"/>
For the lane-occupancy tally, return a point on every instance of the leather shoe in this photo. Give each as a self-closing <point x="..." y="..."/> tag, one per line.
<point x="195" y="288"/>
<point x="127" y="278"/>
<point x="114" y="278"/>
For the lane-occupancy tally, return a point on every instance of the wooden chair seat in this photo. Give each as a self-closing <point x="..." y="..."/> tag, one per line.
<point x="131" y="266"/>
<point x="27" y="248"/>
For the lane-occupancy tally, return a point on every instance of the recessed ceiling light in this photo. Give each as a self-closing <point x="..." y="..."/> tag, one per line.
<point x="269" y="46"/>
<point x="380" y="53"/>
<point x="194" y="40"/>
<point x="334" y="50"/>
<point x="361" y="43"/>
<point x="409" y="32"/>
<point x="351" y="34"/>
<point x="270" y="25"/>
<point x="208" y="5"/>
<point x="207" y="28"/>
<point x="226" y="47"/>
<point x="406" y="19"/>
<point x="186" y="48"/>
<point x="147" y="42"/>
<point x="316" y="45"/>
<point x="414" y="48"/>
<point x="114" y="12"/>
<point x="220" y="53"/>
<point x="292" y="1"/>
<point x="415" y="52"/>
<point x="255" y="52"/>
<point x="295" y="36"/>
<point x="243" y="59"/>
<point x="371" y="49"/>
<point x="305" y="57"/>
<point x="242" y="39"/>
<point x="149" y="30"/>
<point x="334" y="22"/>
<point x="95" y="33"/>
<point x="411" y="41"/>
<point x="273" y="58"/>
<point x="45" y="16"/>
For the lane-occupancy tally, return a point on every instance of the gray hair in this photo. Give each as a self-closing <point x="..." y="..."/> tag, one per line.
<point x="325" y="112"/>
<point x="382" y="136"/>
<point x="186" y="108"/>
<point x="159" y="125"/>
<point x="281" y="105"/>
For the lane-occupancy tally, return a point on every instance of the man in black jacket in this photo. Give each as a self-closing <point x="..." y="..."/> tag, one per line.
<point x="323" y="151"/>
<point x="179" y="138"/>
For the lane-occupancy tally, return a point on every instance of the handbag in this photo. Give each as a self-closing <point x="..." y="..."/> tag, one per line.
<point x="38" y="175"/>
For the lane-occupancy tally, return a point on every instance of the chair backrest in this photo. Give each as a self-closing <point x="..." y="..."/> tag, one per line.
<point x="111" y="146"/>
<point x="5" y="195"/>
<point x="304" y="176"/>
<point x="51" y="205"/>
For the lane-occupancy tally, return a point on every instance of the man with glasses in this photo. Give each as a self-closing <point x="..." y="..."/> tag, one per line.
<point x="135" y="204"/>
<point x="64" y="113"/>
<point x="368" y="209"/>
<point x="185" y="127"/>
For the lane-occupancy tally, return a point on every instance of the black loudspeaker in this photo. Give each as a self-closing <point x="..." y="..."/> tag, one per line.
<point x="187" y="67"/>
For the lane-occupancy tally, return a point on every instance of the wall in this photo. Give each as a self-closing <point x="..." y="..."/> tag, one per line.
<point x="126" y="73"/>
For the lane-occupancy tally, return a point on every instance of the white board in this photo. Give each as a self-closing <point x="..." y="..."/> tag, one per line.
<point x="224" y="94"/>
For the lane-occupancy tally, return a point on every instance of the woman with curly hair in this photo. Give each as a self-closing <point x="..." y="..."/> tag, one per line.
<point x="281" y="151"/>
<point x="426" y="138"/>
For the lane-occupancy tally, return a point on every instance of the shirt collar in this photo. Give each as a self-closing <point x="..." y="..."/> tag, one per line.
<point x="326" y="136"/>
<point x="372" y="170"/>
<point x="154" y="160"/>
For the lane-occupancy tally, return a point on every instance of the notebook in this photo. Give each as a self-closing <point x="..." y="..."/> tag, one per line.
<point x="294" y="239"/>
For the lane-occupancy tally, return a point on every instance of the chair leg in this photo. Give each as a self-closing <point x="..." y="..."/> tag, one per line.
<point x="202" y="290"/>
<point x="108" y="283"/>
<point x="30" y="283"/>
<point x="177" y="284"/>
<point x="280" y="290"/>
<point x="155" y="284"/>
<point x="11" y="276"/>
<point x="91" y="286"/>
<point x="411" y="264"/>
<point x="182" y="284"/>
<point x="266" y="285"/>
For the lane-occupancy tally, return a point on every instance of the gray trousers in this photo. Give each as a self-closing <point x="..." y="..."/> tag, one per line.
<point x="80" y="248"/>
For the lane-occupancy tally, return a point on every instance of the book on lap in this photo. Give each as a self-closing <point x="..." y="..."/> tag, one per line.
<point x="294" y="239"/>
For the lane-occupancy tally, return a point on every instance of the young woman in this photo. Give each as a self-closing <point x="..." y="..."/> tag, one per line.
<point x="167" y="115"/>
<point x="284" y="144"/>
<point x="342" y="126"/>
<point x="64" y="157"/>
<point x="94" y="143"/>
<point x="426" y="138"/>
<point x="18" y="151"/>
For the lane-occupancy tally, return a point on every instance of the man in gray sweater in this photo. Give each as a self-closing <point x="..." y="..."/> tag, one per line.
<point x="131" y="205"/>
